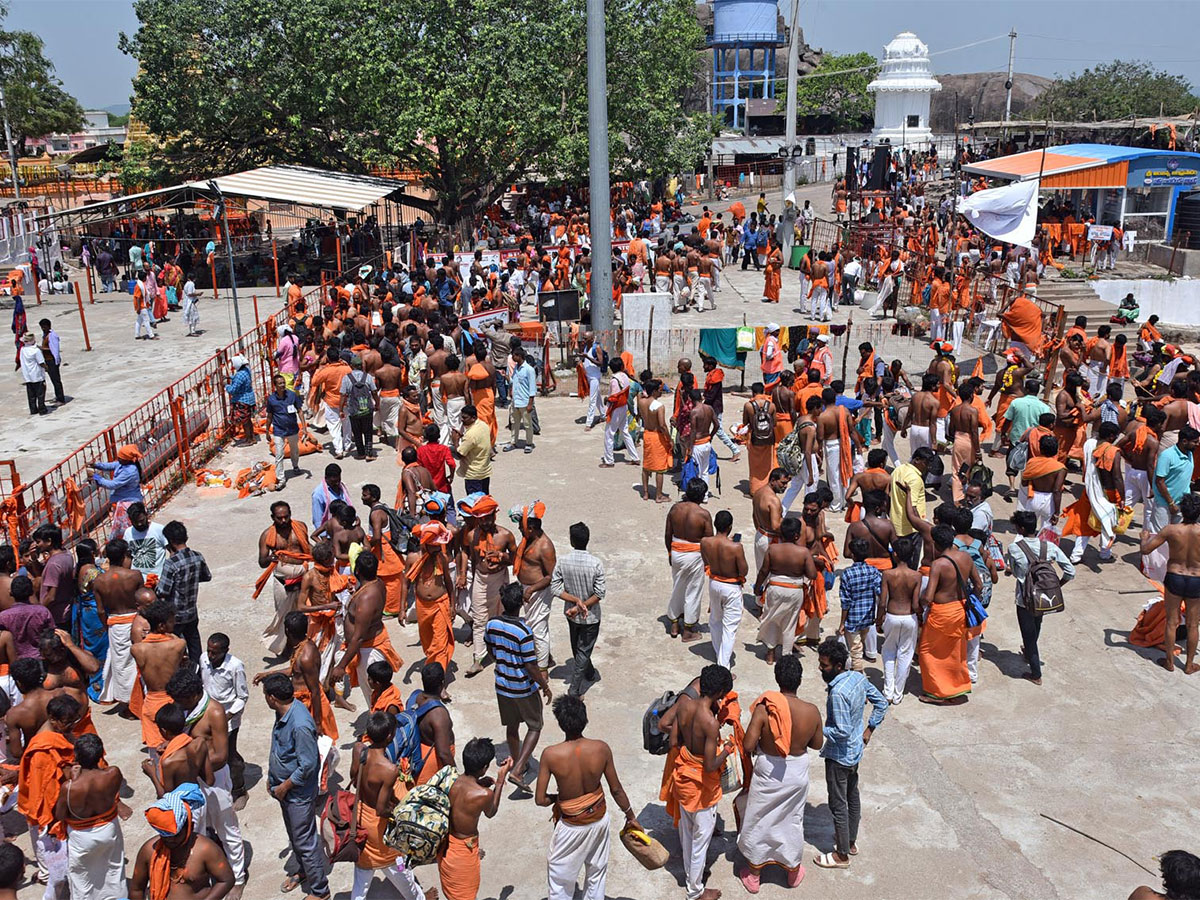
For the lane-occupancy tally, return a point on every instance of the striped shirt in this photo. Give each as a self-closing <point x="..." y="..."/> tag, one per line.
<point x="510" y="642"/>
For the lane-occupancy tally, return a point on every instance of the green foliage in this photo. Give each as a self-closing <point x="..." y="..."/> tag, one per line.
<point x="34" y="99"/>
<point x="843" y="99"/>
<point x="117" y="121"/>
<point x="474" y="94"/>
<point x="1115" y="90"/>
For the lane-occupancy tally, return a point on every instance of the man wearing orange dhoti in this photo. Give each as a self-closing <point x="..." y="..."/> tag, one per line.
<point x="656" y="439"/>
<point x="758" y="418"/>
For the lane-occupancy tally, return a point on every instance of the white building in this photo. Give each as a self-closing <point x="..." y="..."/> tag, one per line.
<point x="96" y="131"/>
<point x="902" y="92"/>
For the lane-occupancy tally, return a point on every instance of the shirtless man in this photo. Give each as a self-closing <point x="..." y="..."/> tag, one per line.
<point x="1139" y="447"/>
<point x="725" y="563"/>
<point x="698" y="440"/>
<point x="8" y="568"/>
<point x="433" y="721"/>
<point x="452" y="391"/>
<point x="679" y="280"/>
<point x="197" y="866"/>
<point x="897" y="618"/>
<point x="89" y="803"/>
<point x="1098" y="355"/>
<point x="491" y="551"/>
<point x="687" y="523"/>
<point x="810" y="448"/>
<point x="114" y="591"/>
<point x="208" y="724"/>
<point x="838" y="468"/>
<point x="874" y="478"/>
<point x="473" y="794"/>
<point x="1071" y="355"/>
<point x="366" y="639"/>
<point x="921" y="426"/>
<point x="415" y="483"/>
<point x="783" y="398"/>
<point x="180" y="759"/>
<point x="770" y="834"/>
<point x="965" y="426"/>
<point x="786" y="570"/>
<point x="282" y="548"/>
<point x="656" y="440"/>
<point x="767" y="512"/>
<point x="409" y="423"/>
<point x="24" y="719"/>
<point x="875" y="527"/>
<point x="662" y="273"/>
<point x="820" y="288"/>
<point x="1176" y="411"/>
<point x="387" y="380"/>
<point x="695" y="289"/>
<point x="158" y="655"/>
<point x="700" y="754"/>
<point x="1182" y="582"/>
<point x="704" y="287"/>
<point x="533" y="565"/>
<point x="580" y="840"/>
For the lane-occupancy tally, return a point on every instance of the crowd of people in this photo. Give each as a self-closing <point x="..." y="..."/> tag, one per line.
<point x="386" y="357"/>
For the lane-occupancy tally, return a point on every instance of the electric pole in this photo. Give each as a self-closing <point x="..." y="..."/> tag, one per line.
<point x="789" y="162"/>
<point x="1012" y="49"/>
<point x="601" y="200"/>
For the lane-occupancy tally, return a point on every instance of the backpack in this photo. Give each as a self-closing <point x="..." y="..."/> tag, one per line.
<point x="790" y="453"/>
<point x="655" y="742"/>
<point x="1018" y="457"/>
<point x="400" y="526"/>
<point x="1040" y="588"/>
<point x="421" y="821"/>
<point x="406" y="744"/>
<point x="358" y="398"/>
<point x="341" y="830"/>
<point x="762" y="425"/>
<point x="978" y="474"/>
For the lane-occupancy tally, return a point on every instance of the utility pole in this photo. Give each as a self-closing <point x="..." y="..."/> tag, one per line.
<point x="601" y="199"/>
<point x="1012" y="49"/>
<point x="223" y="211"/>
<point x="12" y="148"/>
<point x="789" y="162"/>
<point x="708" y="102"/>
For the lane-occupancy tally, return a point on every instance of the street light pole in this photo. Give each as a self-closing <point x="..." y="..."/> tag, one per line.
<point x="599" y="206"/>
<point x="224" y="213"/>
<point x="1008" y="85"/>
<point x="789" y="162"/>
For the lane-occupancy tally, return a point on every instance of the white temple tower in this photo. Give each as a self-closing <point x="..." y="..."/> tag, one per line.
<point x="902" y="92"/>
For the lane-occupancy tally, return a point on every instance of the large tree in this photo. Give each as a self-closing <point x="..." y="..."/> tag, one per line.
<point x="837" y="91"/>
<point x="34" y="99"/>
<point x="1116" y="90"/>
<point x="474" y="94"/>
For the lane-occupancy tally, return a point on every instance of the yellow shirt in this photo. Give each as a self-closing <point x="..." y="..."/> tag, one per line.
<point x="475" y="448"/>
<point x="910" y="475"/>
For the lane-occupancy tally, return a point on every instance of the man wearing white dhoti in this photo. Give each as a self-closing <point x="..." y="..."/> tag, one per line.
<point x="95" y="844"/>
<point x="687" y="523"/>
<point x="782" y="729"/>
<point x="1097" y="511"/>
<point x="725" y="564"/>
<point x="580" y="840"/>
<point x="783" y="578"/>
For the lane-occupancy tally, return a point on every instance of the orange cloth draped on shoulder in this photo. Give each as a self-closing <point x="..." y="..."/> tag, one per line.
<point x="1149" y="333"/>
<point x="1023" y="322"/>
<point x="1034" y="436"/>
<point x="1069" y="436"/>
<point x="845" y="460"/>
<point x="686" y="785"/>
<point x="46" y="755"/>
<point x="866" y="369"/>
<point x="943" y="652"/>
<point x="375" y="853"/>
<point x="773" y="279"/>
<point x="1001" y="408"/>
<point x="383" y="643"/>
<point x="326" y="723"/>
<point x="1118" y="363"/>
<point x="177" y="743"/>
<point x="984" y="419"/>
<point x="389" y="697"/>
<point x="779" y="718"/>
<point x="391" y="573"/>
<point x="272" y="542"/>
<point x="458" y="868"/>
<point x="656" y="452"/>
<point x="761" y="459"/>
<point x="484" y="398"/>
<point x="1037" y="467"/>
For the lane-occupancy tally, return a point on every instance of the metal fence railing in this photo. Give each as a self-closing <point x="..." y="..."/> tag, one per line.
<point x="178" y="430"/>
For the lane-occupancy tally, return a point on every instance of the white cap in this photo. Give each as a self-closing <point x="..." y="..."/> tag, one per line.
<point x="772" y="328"/>
<point x="239" y="362"/>
<point x="823" y="338"/>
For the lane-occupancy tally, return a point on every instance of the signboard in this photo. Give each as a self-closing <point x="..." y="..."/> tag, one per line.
<point x="1099" y="233"/>
<point x="488" y="258"/>
<point x="497" y="317"/>
<point x="1166" y="177"/>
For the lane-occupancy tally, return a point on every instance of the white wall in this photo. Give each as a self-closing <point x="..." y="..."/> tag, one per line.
<point x="1174" y="302"/>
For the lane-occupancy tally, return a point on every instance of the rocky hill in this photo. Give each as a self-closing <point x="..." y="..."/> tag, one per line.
<point x="983" y="94"/>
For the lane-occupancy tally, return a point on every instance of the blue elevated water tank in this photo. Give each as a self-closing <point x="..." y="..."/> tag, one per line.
<point x="745" y="21"/>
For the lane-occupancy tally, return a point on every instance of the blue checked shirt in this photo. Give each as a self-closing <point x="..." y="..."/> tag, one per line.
<point x="859" y="593"/>
<point x="844" y="707"/>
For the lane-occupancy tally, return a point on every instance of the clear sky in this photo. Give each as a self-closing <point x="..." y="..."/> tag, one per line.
<point x="1054" y="36"/>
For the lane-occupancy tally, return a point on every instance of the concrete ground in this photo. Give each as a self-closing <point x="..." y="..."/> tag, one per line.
<point x="951" y="797"/>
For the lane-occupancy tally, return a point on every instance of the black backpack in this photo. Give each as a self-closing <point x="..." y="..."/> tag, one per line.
<point x="400" y="526"/>
<point x="358" y="398"/>
<point x="1041" y="588"/>
<point x="656" y="742"/>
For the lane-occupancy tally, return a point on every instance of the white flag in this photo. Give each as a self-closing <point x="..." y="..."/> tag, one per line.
<point x="1006" y="213"/>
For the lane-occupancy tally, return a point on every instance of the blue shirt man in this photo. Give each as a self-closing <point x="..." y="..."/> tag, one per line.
<point x="1173" y="472"/>
<point x="283" y="413"/>
<point x="524" y="385"/>
<point x="294" y="754"/>
<point x="844" y="707"/>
